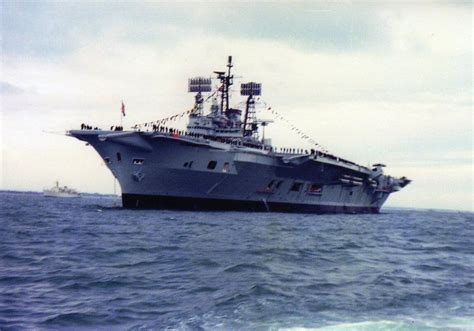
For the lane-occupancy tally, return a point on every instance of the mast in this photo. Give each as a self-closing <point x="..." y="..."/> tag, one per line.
<point x="250" y="119"/>
<point x="249" y="115"/>
<point x="227" y="80"/>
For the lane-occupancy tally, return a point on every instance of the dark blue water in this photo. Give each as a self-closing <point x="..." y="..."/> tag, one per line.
<point x="85" y="264"/>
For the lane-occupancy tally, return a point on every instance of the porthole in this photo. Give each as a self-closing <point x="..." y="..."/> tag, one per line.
<point x="211" y="165"/>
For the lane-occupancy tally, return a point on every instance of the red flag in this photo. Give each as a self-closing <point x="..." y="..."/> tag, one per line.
<point x="123" y="109"/>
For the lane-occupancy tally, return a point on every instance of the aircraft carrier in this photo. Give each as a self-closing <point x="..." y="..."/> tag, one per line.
<point x="221" y="161"/>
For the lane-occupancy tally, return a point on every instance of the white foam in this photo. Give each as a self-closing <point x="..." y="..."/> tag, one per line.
<point x="359" y="326"/>
<point x="455" y="323"/>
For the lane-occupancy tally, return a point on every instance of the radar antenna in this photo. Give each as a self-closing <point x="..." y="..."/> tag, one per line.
<point x="199" y="85"/>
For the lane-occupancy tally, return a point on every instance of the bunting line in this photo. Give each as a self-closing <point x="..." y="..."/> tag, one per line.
<point x="299" y="132"/>
<point x="163" y="121"/>
<point x="275" y="114"/>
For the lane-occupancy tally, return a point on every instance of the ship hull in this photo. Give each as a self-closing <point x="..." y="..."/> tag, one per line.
<point x="160" y="171"/>
<point x="139" y="201"/>
<point x="60" y="195"/>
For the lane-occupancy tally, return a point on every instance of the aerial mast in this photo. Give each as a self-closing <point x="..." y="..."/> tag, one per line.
<point x="229" y="82"/>
<point x="226" y="82"/>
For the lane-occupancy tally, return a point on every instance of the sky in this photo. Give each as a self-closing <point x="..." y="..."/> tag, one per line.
<point x="372" y="82"/>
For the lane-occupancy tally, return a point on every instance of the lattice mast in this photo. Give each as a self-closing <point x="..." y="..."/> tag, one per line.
<point x="250" y="119"/>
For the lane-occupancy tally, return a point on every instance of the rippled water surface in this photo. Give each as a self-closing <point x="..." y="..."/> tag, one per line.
<point x="87" y="264"/>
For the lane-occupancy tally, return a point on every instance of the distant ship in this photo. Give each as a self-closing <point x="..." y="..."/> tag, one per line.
<point x="220" y="162"/>
<point x="60" y="192"/>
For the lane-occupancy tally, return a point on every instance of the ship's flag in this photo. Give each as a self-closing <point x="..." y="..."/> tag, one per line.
<point x="123" y="109"/>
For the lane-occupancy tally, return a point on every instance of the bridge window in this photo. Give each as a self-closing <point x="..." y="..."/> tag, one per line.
<point x="279" y="184"/>
<point x="296" y="187"/>
<point x="185" y="164"/>
<point x="211" y="165"/>
<point x="119" y="156"/>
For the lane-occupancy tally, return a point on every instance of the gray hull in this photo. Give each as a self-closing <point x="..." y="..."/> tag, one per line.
<point x="156" y="170"/>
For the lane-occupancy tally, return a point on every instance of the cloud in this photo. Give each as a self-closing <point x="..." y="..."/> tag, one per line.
<point x="436" y="186"/>
<point x="51" y="28"/>
<point x="7" y="88"/>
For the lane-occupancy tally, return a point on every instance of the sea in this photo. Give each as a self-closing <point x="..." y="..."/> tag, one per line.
<point x="87" y="264"/>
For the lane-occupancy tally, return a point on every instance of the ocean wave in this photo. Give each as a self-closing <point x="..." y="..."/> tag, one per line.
<point x="74" y="318"/>
<point x="241" y="267"/>
<point x="67" y="265"/>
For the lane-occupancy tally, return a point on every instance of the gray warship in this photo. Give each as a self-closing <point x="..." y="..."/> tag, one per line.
<point x="220" y="162"/>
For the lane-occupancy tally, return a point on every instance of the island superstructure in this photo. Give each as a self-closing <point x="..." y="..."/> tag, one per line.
<point x="220" y="162"/>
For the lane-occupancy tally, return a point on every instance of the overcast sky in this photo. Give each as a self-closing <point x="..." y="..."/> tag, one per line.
<point x="370" y="82"/>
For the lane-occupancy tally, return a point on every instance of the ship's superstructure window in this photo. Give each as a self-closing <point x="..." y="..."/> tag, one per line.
<point x="107" y="160"/>
<point x="190" y="164"/>
<point x="279" y="184"/>
<point x="226" y="167"/>
<point x="296" y="187"/>
<point x="185" y="164"/>
<point x="270" y="185"/>
<point x="315" y="189"/>
<point x="138" y="161"/>
<point x="119" y="156"/>
<point x="211" y="165"/>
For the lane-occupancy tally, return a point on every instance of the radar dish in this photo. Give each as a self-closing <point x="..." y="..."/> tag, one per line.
<point x="251" y="88"/>
<point x="199" y="84"/>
